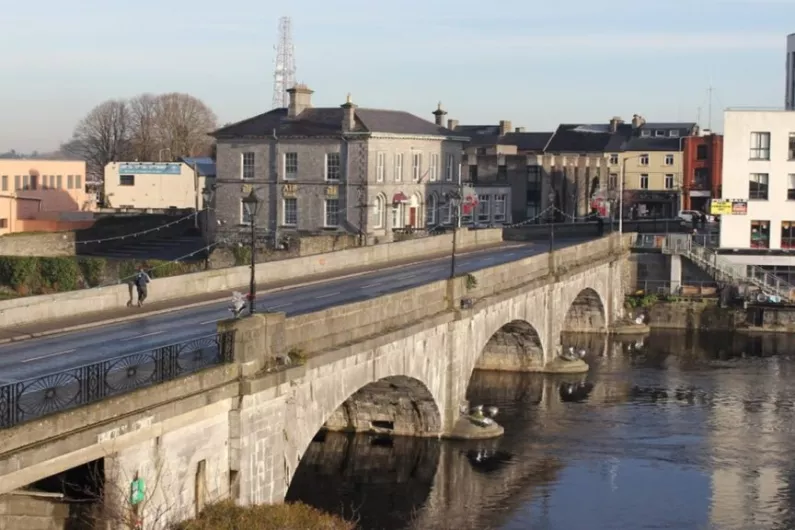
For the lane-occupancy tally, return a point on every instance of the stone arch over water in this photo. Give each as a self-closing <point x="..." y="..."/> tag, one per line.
<point x="586" y="313"/>
<point x="515" y="347"/>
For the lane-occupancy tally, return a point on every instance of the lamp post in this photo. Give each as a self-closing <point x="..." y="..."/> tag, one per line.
<point x="454" y="200"/>
<point x="251" y="204"/>
<point x="207" y="197"/>
<point x="551" y="198"/>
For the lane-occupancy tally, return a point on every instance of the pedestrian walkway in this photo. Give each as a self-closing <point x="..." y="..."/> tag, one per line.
<point x="154" y="306"/>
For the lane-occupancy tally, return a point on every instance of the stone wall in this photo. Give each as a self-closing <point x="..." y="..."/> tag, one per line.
<point x="222" y="258"/>
<point x="652" y="271"/>
<point x="21" y="511"/>
<point x="48" y="244"/>
<point x="707" y="315"/>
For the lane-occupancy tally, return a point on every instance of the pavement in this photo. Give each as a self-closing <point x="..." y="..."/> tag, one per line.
<point x="175" y="321"/>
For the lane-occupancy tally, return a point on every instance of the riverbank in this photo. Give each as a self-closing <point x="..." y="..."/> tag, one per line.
<point x="706" y="314"/>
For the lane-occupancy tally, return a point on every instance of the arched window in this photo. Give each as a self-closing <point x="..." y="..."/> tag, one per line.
<point x="430" y="211"/>
<point x="378" y="211"/>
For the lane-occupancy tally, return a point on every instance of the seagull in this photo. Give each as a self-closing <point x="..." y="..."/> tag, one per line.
<point x="476" y="411"/>
<point x="492" y="411"/>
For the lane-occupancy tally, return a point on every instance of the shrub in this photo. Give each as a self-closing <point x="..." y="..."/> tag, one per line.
<point x="93" y="270"/>
<point x="17" y="271"/>
<point x="472" y="282"/>
<point x="242" y="255"/>
<point x="227" y="515"/>
<point x="164" y="269"/>
<point x="60" y="274"/>
<point x="127" y="270"/>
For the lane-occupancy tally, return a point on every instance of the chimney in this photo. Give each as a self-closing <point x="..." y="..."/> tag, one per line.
<point x="348" y="115"/>
<point x="637" y="121"/>
<point x="300" y="100"/>
<point x="615" y="121"/>
<point x="439" y="114"/>
<point x="452" y="124"/>
<point x="505" y="127"/>
<point x="519" y="129"/>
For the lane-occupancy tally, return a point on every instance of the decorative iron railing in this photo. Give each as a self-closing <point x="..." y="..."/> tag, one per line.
<point x="23" y="401"/>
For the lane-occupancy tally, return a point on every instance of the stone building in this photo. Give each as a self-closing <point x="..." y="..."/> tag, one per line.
<point x="339" y="169"/>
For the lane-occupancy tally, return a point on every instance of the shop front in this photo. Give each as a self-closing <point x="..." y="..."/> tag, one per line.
<point x="642" y="204"/>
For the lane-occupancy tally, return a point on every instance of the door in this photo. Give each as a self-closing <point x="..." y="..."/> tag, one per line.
<point x="412" y="217"/>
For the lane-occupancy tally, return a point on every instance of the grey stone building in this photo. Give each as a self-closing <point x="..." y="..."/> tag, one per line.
<point x="339" y="169"/>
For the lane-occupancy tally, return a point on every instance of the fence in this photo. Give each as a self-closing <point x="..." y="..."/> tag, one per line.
<point x="74" y="387"/>
<point x="658" y="241"/>
<point x="685" y="290"/>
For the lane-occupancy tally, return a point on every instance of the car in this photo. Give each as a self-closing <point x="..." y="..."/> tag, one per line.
<point x="687" y="216"/>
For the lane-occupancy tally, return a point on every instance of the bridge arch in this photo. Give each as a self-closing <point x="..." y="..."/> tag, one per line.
<point x="586" y="313"/>
<point x="515" y="346"/>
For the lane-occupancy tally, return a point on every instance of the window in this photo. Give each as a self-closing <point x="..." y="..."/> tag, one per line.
<point x="499" y="207"/>
<point x="398" y="167"/>
<point x="791" y="149"/>
<point x="332" y="213"/>
<point x="78" y="182"/>
<point x="502" y="172"/>
<point x="760" y="234"/>
<point x="17" y="182"/>
<point x="333" y="167"/>
<point x="124" y="180"/>
<point x="416" y="167"/>
<point x="673" y="133"/>
<point x="659" y="133"/>
<point x="245" y="218"/>
<point x="25" y="182"/>
<point x="790" y="187"/>
<point x="614" y="159"/>
<point x="247" y="166"/>
<point x="380" y="167"/>
<point x="5" y="182"/>
<point x="52" y="181"/>
<point x="398" y="215"/>
<point x="669" y="181"/>
<point x="483" y="208"/>
<point x="644" y="159"/>
<point x="760" y="146"/>
<point x="290" y="166"/>
<point x="430" y="211"/>
<point x="645" y="133"/>
<point x="788" y="234"/>
<point x="669" y="160"/>
<point x="3" y="223"/>
<point x="34" y="182"/>
<point x="757" y="186"/>
<point x="448" y="171"/>
<point x="612" y="181"/>
<point x="701" y="152"/>
<point x="434" y="169"/>
<point x="70" y="182"/>
<point x="378" y="212"/>
<point x="644" y="181"/>
<point x="448" y="213"/>
<point x="290" y="212"/>
<point x="59" y="181"/>
<point x="701" y="178"/>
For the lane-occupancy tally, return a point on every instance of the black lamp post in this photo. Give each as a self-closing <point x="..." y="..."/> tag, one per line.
<point x="207" y="196"/>
<point x="453" y="200"/>
<point x="251" y="204"/>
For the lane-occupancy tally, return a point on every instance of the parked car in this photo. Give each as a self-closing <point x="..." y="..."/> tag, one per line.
<point x="687" y="216"/>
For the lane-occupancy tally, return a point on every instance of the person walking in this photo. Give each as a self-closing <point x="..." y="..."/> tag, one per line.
<point x="142" y="280"/>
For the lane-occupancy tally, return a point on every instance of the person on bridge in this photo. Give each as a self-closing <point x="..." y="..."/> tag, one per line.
<point x="142" y="284"/>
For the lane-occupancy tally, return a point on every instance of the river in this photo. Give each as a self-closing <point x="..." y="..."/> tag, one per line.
<point x="674" y="431"/>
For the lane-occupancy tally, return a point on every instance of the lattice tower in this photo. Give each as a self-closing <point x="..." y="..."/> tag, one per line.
<point x="284" y="71"/>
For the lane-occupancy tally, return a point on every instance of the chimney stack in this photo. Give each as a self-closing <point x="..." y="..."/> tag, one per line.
<point x="452" y="124"/>
<point x="615" y="121"/>
<point x="300" y="100"/>
<point x="439" y="115"/>
<point x="348" y="115"/>
<point x="637" y="121"/>
<point x="505" y="127"/>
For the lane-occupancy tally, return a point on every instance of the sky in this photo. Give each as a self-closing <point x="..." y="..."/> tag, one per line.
<point x="535" y="63"/>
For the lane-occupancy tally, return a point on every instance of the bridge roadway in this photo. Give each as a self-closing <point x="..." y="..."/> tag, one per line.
<point x="38" y="357"/>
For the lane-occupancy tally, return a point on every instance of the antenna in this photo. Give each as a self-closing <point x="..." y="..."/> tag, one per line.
<point x="709" y="107"/>
<point x="284" y="71"/>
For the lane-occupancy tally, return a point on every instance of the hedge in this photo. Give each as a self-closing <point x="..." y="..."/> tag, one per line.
<point x="23" y="276"/>
<point x="227" y="515"/>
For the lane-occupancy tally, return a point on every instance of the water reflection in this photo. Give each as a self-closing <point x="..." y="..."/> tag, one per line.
<point x="667" y="431"/>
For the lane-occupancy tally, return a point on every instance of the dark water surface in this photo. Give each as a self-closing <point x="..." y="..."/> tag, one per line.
<point x="672" y="432"/>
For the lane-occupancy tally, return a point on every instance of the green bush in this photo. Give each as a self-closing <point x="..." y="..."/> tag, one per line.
<point x="17" y="271"/>
<point x="127" y="270"/>
<point x="60" y="274"/>
<point x="93" y="270"/>
<point x="242" y="255"/>
<point x="227" y="515"/>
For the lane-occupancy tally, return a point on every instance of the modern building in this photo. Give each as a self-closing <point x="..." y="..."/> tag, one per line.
<point x="758" y="189"/>
<point x="346" y="169"/>
<point x="43" y="195"/>
<point x="789" y="90"/>
<point x="157" y="185"/>
<point x="702" y="166"/>
<point x="652" y="167"/>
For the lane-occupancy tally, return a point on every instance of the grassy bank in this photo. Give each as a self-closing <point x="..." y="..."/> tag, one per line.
<point x="227" y="515"/>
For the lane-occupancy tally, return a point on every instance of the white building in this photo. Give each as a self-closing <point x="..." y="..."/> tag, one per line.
<point x="759" y="167"/>
<point x="158" y="185"/>
<point x="789" y="90"/>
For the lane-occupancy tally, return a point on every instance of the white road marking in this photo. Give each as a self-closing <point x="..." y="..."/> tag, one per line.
<point x="376" y="284"/>
<point x="278" y="306"/>
<point x="405" y="276"/>
<point x="327" y="295"/>
<point x="47" y="356"/>
<point x="142" y="336"/>
<point x="509" y="254"/>
<point x="213" y="321"/>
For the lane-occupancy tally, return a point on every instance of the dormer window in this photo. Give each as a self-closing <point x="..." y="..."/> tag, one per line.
<point x="645" y="134"/>
<point x="659" y="133"/>
<point x="673" y="133"/>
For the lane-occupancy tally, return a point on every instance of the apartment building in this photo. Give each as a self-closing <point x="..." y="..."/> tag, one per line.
<point x="758" y="183"/>
<point x="702" y="169"/>
<point x="329" y="169"/>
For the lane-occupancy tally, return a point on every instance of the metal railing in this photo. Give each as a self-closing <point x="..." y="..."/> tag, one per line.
<point x="658" y="241"/>
<point x="684" y="290"/>
<point x="75" y="387"/>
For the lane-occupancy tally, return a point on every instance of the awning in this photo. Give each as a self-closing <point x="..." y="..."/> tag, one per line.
<point x="399" y="197"/>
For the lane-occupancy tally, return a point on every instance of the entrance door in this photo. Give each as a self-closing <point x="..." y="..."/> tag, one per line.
<point x="412" y="217"/>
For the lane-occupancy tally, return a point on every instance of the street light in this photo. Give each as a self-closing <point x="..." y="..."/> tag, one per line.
<point x="251" y="204"/>
<point x="207" y="197"/>
<point x="551" y="198"/>
<point x="453" y="200"/>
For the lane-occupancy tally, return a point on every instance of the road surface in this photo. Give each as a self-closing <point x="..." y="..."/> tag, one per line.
<point x="37" y="357"/>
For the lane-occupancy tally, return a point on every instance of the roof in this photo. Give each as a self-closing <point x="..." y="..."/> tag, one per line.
<point x="328" y="122"/>
<point x="650" y="143"/>
<point x="203" y="164"/>
<point x="588" y="138"/>
<point x="485" y="135"/>
<point x="527" y="141"/>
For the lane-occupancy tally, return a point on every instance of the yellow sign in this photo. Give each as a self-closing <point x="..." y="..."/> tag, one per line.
<point x="247" y="188"/>
<point x="332" y="191"/>
<point x="720" y="207"/>
<point x="290" y="190"/>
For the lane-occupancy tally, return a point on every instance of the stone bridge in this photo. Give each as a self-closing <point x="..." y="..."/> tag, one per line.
<point x="399" y="364"/>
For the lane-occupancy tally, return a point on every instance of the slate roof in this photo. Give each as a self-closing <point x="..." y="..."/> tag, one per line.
<point x="485" y="135"/>
<point x="328" y="122"/>
<point x="651" y="143"/>
<point x="204" y="164"/>
<point x="527" y="141"/>
<point x="588" y="138"/>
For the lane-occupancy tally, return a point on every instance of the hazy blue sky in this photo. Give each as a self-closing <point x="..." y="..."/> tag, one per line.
<point x="535" y="63"/>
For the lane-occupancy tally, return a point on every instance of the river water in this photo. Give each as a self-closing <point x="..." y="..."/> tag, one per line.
<point x="674" y="431"/>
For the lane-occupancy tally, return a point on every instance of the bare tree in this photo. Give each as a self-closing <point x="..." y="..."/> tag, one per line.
<point x="183" y="125"/>
<point x="102" y="136"/>
<point x="144" y="120"/>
